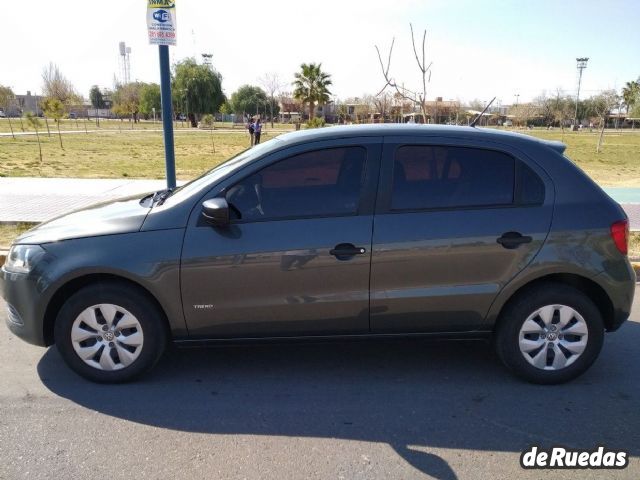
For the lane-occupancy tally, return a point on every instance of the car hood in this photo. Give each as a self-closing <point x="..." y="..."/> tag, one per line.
<point x="124" y="215"/>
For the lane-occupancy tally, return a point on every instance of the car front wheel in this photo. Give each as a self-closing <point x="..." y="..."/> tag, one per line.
<point x="110" y="333"/>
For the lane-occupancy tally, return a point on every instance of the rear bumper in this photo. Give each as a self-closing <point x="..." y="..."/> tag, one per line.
<point x="619" y="281"/>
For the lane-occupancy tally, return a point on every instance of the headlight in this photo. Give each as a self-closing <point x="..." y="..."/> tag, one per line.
<point x="22" y="258"/>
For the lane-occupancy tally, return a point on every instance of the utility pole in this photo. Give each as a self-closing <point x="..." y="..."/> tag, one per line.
<point x="582" y="64"/>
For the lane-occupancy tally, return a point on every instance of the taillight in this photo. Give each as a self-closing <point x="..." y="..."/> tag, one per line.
<point x="620" y="235"/>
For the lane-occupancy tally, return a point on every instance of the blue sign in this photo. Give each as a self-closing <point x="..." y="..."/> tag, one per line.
<point x="161" y="16"/>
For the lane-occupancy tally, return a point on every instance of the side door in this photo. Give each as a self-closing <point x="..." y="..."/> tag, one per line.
<point x="295" y="259"/>
<point x="456" y="221"/>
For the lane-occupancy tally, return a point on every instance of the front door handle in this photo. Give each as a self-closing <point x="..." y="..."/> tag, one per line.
<point x="511" y="240"/>
<point x="344" y="251"/>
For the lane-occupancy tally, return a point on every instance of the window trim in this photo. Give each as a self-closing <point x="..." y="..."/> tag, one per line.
<point x="361" y="195"/>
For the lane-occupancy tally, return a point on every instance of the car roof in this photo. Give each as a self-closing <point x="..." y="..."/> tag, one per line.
<point x="397" y="129"/>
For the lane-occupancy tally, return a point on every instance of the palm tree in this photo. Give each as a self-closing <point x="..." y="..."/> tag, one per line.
<point x="311" y="86"/>
<point x="630" y="94"/>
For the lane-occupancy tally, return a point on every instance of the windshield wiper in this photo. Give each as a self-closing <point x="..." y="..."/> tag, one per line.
<point x="161" y="195"/>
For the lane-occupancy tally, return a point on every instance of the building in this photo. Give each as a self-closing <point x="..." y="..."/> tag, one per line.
<point x="25" y="103"/>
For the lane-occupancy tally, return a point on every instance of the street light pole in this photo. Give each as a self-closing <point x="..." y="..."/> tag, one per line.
<point x="582" y="64"/>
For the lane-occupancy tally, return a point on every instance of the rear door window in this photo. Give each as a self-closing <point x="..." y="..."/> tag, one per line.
<point x="431" y="177"/>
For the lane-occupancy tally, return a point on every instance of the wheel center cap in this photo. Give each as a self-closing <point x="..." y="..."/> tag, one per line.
<point x="108" y="336"/>
<point x="551" y="336"/>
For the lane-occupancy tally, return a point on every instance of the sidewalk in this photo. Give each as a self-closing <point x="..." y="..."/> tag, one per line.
<point x="26" y="199"/>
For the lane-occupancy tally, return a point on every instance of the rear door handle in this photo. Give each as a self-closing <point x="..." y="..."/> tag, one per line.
<point x="511" y="240"/>
<point x="344" y="251"/>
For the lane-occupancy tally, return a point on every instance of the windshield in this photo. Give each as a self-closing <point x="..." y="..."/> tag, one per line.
<point x="221" y="170"/>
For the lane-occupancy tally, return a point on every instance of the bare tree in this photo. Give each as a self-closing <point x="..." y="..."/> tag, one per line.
<point x="383" y="104"/>
<point x="419" y="99"/>
<point x="56" y="85"/>
<point x="272" y="84"/>
<point x="603" y="104"/>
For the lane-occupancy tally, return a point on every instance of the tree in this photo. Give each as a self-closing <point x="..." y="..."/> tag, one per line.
<point x="476" y="104"/>
<point x="54" y="108"/>
<point x="523" y="112"/>
<point x="198" y="88"/>
<point x="631" y="94"/>
<point x="272" y="85"/>
<point x="6" y="99"/>
<point x="561" y="109"/>
<point x="418" y="99"/>
<point x="96" y="97"/>
<point x="631" y="98"/>
<point x="312" y="86"/>
<point x="34" y="121"/>
<point x="383" y="103"/>
<point x="55" y="85"/>
<point x="248" y="99"/>
<point x="126" y="100"/>
<point x="602" y="105"/>
<point x="150" y="98"/>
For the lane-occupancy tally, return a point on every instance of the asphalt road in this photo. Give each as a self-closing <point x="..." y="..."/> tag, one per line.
<point x="387" y="410"/>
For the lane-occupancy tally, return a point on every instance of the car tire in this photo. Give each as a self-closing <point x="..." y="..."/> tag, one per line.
<point x="550" y="334"/>
<point x="110" y="332"/>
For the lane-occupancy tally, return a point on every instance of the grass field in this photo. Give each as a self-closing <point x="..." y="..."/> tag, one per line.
<point x="617" y="165"/>
<point x="10" y="231"/>
<point x="138" y="153"/>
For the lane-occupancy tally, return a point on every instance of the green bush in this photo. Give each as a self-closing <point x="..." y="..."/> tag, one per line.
<point x="316" y="123"/>
<point x="207" y="121"/>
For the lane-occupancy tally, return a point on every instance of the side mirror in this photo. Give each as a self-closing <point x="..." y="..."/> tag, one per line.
<point x="216" y="212"/>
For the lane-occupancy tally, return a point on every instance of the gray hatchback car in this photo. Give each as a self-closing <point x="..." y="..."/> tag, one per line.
<point x="365" y="231"/>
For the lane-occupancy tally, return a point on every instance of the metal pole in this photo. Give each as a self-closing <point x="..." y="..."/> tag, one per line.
<point x="582" y="64"/>
<point x="167" y="124"/>
<point x="575" y="117"/>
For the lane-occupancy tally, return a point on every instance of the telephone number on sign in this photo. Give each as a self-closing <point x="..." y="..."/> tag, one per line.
<point x="162" y="35"/>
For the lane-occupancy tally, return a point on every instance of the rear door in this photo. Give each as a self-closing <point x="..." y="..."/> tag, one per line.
<point x="455" y="221"/>
<point x="296" y="258"/>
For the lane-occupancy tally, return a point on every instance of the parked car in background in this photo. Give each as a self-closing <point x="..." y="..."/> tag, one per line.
<point x="2" y="114"/>
<point x="344" y="232"/>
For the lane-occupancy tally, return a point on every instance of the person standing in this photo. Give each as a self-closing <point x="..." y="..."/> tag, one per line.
<point x="250" y="127"/>
<point x="257" y="131"/>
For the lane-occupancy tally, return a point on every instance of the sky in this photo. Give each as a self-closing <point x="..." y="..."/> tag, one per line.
<point x="479" y="49"/>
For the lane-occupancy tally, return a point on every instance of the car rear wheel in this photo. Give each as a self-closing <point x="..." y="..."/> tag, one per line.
<point x="110" y="333"/>
<point x="550" y="334"/>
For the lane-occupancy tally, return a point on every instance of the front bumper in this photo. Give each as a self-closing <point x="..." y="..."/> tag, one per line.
<point x="24" y="311"/>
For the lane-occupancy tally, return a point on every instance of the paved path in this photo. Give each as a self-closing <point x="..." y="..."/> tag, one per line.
<point x="26" y="199"/>
<point x="38" y="199"/>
